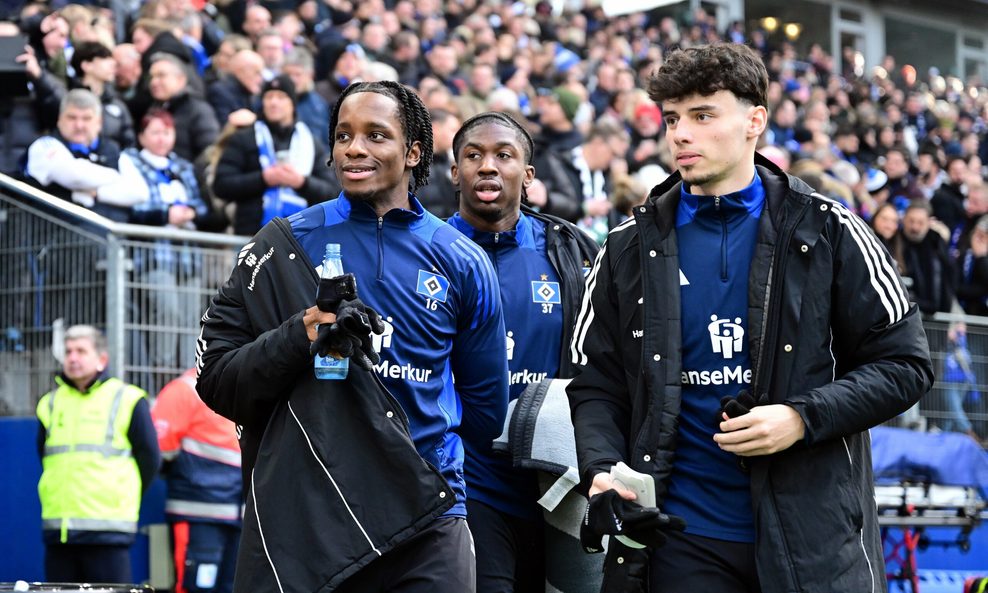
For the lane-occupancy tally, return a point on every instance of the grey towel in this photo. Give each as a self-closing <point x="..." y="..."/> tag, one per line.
<point x="538" y="434"/>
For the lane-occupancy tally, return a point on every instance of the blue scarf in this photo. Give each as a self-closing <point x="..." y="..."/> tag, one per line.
<point x="280" y="200"/>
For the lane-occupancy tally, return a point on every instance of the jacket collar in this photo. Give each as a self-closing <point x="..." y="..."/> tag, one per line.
<point x="358" y="210"/>
<point x="663" y="200"/>
<point x="98" y="380"/>
<point x="521" y="235"/>
<point x="748" y="200"/>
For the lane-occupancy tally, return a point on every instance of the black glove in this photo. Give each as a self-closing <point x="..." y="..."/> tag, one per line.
<point x="350" y="335"/>
<point x="333" y="291"/>
<point x="736" y="406"/>
<point x="609" y="514"/>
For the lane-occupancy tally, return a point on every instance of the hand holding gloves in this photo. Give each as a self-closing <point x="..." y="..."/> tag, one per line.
<point x="736" y="406"/>
<point x="609" y="514"/>
<point x="350" y="335"/>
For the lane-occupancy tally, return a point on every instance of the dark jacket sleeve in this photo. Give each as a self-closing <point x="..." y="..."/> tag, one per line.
<point x="598" y="395"/>
<point x="205" y="128"/>
<point x="238" y="174"/>
<point x="156" y="215"/>
<point x="222" y="100"/>
<point x="565" y="199"/>
<point x="144" y="443"/>
<point x="975" y="289"/>
<point x="48" y="91"/>
<point x="242" y="374"/>
<point x="127" y="137"/>
<point x="882" y="357"/>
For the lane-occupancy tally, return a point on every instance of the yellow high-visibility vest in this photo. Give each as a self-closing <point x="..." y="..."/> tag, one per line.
<point x="90" y="480"/>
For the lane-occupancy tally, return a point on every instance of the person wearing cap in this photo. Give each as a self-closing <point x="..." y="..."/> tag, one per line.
<point x="274" y="167"/>
<point x="646" y="129"/>
<point x="557" y="108"/>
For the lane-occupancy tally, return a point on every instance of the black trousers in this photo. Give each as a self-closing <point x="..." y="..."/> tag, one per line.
<point x="439" y="559"/>
<point x="87" y="563"/>
<point x="510" y="551"/>
<point x="692" y="563"/>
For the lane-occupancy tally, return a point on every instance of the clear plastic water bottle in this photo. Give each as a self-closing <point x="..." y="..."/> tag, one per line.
<point x="328" y="367"/>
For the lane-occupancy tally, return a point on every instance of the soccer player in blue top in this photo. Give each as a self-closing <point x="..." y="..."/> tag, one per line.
<point x="360" y="526"/>
<point x="539" y="261"/>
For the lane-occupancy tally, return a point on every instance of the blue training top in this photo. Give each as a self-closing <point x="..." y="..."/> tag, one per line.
<point x="716" y="236"/>
<point x="533" y="318"/>
<point x="438" y="295"/>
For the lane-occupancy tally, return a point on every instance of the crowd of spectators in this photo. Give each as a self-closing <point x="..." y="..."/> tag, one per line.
<point x="214" y="115"/>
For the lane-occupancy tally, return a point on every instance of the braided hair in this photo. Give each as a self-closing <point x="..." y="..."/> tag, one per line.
<point x="412" y="114"/>
<point x="497" y="118"/>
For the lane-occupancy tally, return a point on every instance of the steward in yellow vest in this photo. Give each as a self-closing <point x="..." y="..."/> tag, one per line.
<point x="99" y="453"/>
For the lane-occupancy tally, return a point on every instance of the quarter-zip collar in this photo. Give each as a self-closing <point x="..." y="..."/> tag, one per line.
<point x="358" y="210"/>
<point x="748" y="201"/>
<point x="522" y="235"/>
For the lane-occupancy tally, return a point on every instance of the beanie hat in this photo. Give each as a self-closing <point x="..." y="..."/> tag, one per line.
<point x="649" y="110"/>
<point x="280" y="83"/>
<point x="507" y="73"/>
<point x="568" y="100"/>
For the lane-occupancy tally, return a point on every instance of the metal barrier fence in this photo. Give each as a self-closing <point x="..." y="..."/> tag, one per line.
<point x="61" y="265"/>
<point x="147" y="287"/>
<point x="953" y="404"/>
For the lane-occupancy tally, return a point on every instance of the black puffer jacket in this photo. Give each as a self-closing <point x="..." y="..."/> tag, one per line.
<point x="332" y="478"/>
<point x="196" y="126"/>
<point x="831" y="334"/>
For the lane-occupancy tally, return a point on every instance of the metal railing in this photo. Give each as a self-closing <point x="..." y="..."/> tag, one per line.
<point x="146" y="287"/>
<point x="940" y="409"/>
<point x="62" y="265"/>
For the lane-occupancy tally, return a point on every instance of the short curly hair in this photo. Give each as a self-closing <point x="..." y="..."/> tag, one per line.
<point x="706" y="69"/>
